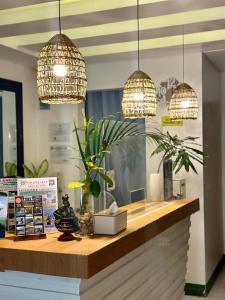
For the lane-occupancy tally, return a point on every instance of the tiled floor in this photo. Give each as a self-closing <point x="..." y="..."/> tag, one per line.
<point x="217" y="292"/>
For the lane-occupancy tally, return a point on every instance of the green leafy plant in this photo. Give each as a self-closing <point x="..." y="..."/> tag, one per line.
<point x="35" y="172"/>
<point x="99" y="138"/>
<point x="10" y="169"/>
<point x="95" y="140"/>
<point x="183" y="152"/>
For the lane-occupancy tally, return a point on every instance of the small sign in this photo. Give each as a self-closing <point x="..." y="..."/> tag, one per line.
<point x="167" y="122"/>
<point x="59" y="132"/>
<point x="44" y="106"/>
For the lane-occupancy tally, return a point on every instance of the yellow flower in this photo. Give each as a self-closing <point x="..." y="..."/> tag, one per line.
<point x="84" y="117"/>
<point x="75" y="185"/>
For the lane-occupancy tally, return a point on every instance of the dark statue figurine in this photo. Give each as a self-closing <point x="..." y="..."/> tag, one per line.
<point x="66" y="221"/>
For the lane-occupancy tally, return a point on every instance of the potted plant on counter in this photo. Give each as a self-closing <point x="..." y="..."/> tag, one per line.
<point x="95" y="140"/>
<point x="183" y="153"/>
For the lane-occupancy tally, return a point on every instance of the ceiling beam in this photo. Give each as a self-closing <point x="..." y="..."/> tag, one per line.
<point x="148" y="44"/>
<point x="156" y="43"/>
<point x="190" y="17"/>
<point x="49" y="10"/>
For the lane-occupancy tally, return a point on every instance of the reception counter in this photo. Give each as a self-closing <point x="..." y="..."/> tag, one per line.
<point x="145" y="261"/>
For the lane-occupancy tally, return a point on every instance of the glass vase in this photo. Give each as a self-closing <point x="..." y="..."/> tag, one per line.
<point x="86" y="218"/>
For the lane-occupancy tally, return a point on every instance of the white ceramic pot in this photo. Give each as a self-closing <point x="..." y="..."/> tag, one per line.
<point x="155" y="187"/>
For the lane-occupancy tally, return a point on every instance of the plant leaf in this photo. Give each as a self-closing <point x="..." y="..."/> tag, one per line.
<point x="95" y="188"/>
<point x="13" y="170"/>
<point x="80" y="148"/>
<point x="43" y="168"/>
<point x="106" y="178"/>
<point x="28" y="172"/>
<point x="35" y="171"/>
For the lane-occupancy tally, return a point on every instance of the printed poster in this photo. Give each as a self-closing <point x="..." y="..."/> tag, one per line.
<point x="9" y="187"/>
<point x="47" y="189"/>
<point x="59" y="132"/>
<point x="3" y="213"/>
<point x="29" y="215"/>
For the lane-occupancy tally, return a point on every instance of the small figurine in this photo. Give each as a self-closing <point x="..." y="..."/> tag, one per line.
<point x="66" y="221"/>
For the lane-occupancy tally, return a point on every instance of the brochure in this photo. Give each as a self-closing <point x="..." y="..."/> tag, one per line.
<point x="46" y="188"/>
<point x="3" y="213"/>
<point x="9" y="186"/>
<point x="29" y="215"/>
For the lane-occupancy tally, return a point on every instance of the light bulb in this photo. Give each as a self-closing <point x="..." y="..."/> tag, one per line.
<point x="138" y="96"/>
<point x="185" y="104"/>
<point x="60" y="70"/>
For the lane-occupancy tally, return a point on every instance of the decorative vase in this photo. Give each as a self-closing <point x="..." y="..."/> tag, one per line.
<point x="86" y="217"/>
<point x="155" y="187"/>
<point x="67" y="229"/>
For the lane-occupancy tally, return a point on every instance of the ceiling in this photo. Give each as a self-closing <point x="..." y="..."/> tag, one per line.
<point x="109" y="27"/>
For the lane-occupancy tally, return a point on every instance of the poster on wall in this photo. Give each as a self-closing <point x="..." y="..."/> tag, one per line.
<point x="60" y="154"/>
<point x="59" y="132"/>
<point x="46" y="188"/>
<point x="9" y="187"/>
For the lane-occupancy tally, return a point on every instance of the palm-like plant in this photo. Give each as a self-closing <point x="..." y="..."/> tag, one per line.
<point x="183" y="152"/>
<point x="101" y="136"/>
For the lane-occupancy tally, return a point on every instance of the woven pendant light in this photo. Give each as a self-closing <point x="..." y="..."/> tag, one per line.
<point x="61" y="73"/>
<point x="184" y="101"/>
<point x="139" y="93"/>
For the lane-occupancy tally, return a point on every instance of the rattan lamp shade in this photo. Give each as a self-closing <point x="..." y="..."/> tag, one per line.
<point x="183" y="103"/>
<point x="67" y="87"/>
<point x="139" y="96"/>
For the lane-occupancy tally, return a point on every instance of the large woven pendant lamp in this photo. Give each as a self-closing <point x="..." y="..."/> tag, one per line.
<point x="184" y="101"/>
<point x="139" y="93"/>
<point x="61" y="74"/>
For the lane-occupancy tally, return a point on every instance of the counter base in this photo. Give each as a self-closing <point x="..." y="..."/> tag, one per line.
<point x="155" y="270"/>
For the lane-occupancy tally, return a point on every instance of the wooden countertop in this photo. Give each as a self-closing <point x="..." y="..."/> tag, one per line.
<point x="88" y="256"/>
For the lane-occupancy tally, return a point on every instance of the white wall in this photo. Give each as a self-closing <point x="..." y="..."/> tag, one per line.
<point x="213" y="169"/>
<point x="223" y="148"/>
<point x="59" y="114"/>
<point x="16" y="72"/>
<point x="113" y="74"/>
<point x="35" y="123"/>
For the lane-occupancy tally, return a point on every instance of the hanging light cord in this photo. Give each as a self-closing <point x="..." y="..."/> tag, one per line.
<point x="183" y="50"/>
<point x="60" y="17"/>
<point x="138" y="35"/>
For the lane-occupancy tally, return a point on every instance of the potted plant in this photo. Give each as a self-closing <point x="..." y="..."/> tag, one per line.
<point x="183" y="153"/>
<point x="95" y="140"/>
<point x="36" y="171"/>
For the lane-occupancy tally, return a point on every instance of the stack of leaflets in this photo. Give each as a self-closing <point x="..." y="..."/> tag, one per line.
<point x="46" y="189"/>
<point x="8" y="186"/>
<point x="29" y="215"/>
<point x="3" y="213"/>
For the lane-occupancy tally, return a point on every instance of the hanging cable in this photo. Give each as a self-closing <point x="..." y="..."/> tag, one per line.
<point x="59" y="17"/>
<point x="138" y="35"/>
<point x="183" y="49"/>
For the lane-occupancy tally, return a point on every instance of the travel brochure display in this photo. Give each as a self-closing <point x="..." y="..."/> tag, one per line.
<point x="9" y="187"/>
<point x="3" y="213"/>
<point x="29" y="217"/>
<point x="44" y="189"/>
